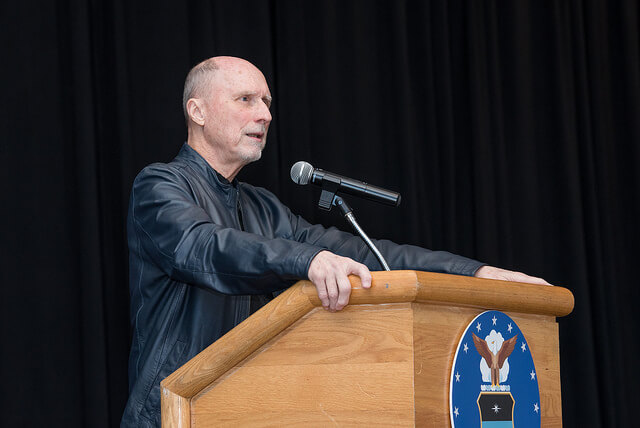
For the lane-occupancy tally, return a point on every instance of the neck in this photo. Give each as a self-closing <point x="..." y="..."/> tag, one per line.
<point x="213" y="158"/>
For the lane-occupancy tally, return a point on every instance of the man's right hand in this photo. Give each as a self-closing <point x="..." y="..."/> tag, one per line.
<point x="329" y="273"/>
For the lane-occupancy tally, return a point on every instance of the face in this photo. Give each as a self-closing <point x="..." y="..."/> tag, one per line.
<point x="237" y="115"/>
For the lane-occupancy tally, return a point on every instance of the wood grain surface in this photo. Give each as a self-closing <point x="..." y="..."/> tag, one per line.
<point x="332" y="367"/>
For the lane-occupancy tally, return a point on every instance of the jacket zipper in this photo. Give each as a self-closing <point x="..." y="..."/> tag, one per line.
<point x="239" y="213"/>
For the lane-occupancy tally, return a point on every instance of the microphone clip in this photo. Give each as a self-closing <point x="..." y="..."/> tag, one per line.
<point x="330" y="186"/>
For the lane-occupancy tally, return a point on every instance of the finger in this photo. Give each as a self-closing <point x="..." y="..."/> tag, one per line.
<point x="332" y="292"/>
<point x="536" y="280"/>
<point x="363" y="272"/>
<point x="321" y="288"/>
<point x="521" y="277"/>
<point x="540" y="281"/>
<point x="344" y="291"/>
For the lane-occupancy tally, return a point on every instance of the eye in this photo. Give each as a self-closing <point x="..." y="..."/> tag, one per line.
<point x="244" y="98"/>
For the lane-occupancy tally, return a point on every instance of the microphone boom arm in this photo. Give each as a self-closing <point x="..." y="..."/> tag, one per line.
<point x="348" y="214"/>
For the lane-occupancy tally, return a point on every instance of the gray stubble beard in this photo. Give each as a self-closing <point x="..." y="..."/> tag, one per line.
<point x="255" y="157"/>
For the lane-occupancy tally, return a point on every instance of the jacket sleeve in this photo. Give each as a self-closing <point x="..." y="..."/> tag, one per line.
<point x="181" y="239"/>
<point x="397" y="256"/>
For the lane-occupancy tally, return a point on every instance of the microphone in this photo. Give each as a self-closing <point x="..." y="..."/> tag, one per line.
<point x="303" y="173"/>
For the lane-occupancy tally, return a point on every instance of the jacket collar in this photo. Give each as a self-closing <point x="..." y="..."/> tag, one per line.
<point x="217" y="180"/>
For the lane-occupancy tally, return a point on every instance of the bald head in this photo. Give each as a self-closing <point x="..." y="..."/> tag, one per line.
<point x="199" y="79"/>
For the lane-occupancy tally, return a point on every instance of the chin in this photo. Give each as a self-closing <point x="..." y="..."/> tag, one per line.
<point x="252" y="156"/>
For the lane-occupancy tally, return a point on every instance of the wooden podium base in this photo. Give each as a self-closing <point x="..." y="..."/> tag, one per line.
<point x="385" y="362"/>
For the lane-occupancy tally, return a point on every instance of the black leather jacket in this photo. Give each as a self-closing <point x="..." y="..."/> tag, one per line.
<point x="199" y="246"/>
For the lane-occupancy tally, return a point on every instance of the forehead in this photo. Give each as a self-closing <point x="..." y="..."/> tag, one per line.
<point x="240" y="79"/>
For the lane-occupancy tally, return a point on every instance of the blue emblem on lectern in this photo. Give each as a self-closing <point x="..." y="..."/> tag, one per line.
<point x="493" y="378"/>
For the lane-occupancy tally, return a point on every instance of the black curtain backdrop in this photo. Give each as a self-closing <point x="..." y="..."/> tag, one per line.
<point x="511" y="128"/>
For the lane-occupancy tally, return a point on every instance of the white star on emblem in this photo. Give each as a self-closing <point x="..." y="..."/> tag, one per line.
<point x="495" y="408"/>
<point x="509" y="328"/>
<point x="536" y="408"/>
<point x="533" y="375"/>
<point x="455" y="412"/>
<point x="457" y="377"/>
<point x="523" y="347"/>
<point x="478" y="326"/>
<point x="466" y="348"/>
<point x="494" y="319"/>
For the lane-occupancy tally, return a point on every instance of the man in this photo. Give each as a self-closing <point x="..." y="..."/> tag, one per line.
<point x="204" y="247"/>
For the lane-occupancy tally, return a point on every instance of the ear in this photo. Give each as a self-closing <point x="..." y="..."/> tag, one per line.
<point x="195" y="110"/>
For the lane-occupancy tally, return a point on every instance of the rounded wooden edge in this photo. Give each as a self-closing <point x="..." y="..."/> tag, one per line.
<point x="494" y="294"/>
<point x="410" y="286"/>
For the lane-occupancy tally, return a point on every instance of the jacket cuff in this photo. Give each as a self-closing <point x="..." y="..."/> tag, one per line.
<point x="469" y="267"/>
<point x="302" y="260"/>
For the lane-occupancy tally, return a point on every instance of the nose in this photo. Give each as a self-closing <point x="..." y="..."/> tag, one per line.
<point x="264" y="114"/>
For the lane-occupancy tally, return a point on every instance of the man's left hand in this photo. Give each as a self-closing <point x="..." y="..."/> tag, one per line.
<point x="490" y="272"/>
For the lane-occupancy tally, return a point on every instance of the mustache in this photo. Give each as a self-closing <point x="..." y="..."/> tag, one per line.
<point x="257" y="130"/>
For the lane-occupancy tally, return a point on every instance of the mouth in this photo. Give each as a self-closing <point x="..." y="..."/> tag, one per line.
<point x="256" y="135"/>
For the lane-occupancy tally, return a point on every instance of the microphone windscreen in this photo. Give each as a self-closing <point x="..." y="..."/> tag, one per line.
<point x="301" y="172"/>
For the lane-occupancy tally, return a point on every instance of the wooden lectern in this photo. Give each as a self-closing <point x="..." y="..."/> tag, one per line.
<point x="384" y="360"/>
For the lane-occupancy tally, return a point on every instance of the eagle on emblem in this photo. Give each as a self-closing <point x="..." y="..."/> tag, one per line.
<point x="494" y="361"/>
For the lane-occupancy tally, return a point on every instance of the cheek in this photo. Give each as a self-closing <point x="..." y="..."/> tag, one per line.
<point x="243" y="119"/>
<point x="222" y="126"/>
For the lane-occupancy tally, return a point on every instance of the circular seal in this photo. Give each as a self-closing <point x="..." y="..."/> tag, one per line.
<point x="493" y="383"/>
